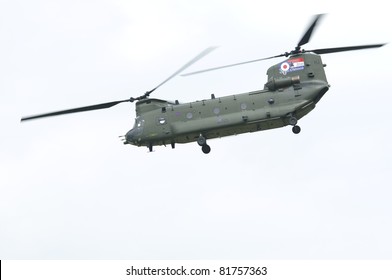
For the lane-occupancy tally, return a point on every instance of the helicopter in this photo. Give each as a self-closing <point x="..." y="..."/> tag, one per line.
<point x="293" y="88"/>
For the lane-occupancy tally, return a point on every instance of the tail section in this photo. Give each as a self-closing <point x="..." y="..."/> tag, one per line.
<point x="305" y="67"/>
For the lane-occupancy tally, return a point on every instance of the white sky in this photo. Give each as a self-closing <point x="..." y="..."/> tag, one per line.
<point x="69" y="189"/>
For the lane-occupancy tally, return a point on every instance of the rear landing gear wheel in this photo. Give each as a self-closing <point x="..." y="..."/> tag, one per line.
<point x="293" y="120"/>
<point x="296" y="129"/>
<point x="206" y="149"/>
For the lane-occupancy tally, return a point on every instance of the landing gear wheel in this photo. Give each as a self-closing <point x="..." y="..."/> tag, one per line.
<point x="293" y="121"/>
<point x="201" y="140"/>
<point x="296" y="129"/>
<point x="206" y="149"/>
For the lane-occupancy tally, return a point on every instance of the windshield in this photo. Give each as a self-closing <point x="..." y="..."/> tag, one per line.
<point x="139" y="123"/>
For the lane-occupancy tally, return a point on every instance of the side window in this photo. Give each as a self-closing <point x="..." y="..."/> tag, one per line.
<point x="161" y="121"/>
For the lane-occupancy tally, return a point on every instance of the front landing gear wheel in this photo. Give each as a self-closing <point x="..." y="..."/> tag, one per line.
<point x="206" y="149"/>
<point x="296" y="129"/>
<point x="201" y="140"/>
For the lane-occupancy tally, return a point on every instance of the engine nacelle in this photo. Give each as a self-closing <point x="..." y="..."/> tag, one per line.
<point x="277" y="83"/>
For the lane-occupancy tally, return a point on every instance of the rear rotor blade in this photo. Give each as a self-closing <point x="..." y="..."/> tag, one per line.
<point x="196" y="58"/>
<point x="76" y="110"/>
<point x="230" y="65"/>
<point x="345" y="49"/>
<point x="306" y="37"/>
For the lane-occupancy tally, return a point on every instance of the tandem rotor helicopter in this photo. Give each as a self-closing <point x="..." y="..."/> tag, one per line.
<point x="293" y="89"/>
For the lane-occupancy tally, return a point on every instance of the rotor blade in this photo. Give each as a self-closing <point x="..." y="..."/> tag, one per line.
<point x="198" y="57"/>
<point x="305" y="39"/>
<point x="230" y="65"/>
<point x="113" y="103"/>
<point x="344" y="49"/>
<point x="76" y="110"/>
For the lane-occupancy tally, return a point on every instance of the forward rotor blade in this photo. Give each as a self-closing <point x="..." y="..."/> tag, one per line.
<point x="113" y="103"/>
<point x="76" y="110"/>
<point x="345" y="49"/>
<point x="230" y="65"/>
<point x="305" y="39"/>
<point x="196" y="58"/>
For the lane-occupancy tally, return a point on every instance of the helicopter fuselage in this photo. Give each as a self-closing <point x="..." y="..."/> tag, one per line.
<point x="294" y="87"/>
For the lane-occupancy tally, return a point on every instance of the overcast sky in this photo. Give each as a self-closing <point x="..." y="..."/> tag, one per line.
<point x="69" y="188"/>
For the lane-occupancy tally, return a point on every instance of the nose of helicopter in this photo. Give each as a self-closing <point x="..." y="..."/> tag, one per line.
<point x="130" y="137"/>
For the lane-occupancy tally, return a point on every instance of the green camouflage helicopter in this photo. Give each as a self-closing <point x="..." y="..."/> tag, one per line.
<point x="293" y="88"/>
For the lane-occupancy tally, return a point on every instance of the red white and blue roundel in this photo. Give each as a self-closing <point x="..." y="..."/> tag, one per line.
<point x="291" y="65"/>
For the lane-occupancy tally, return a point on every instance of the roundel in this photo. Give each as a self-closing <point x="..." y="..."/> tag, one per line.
<point x="284" y="66"/>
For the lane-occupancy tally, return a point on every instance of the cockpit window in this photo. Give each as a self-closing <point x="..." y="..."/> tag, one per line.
<point x="139" y="123"/>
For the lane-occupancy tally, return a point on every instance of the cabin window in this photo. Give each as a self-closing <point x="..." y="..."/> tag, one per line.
<point x="216" y="110"/>
<point x="243" y="106"/>
<point x="161" y="120"/>
<point x="189" y="115"/>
